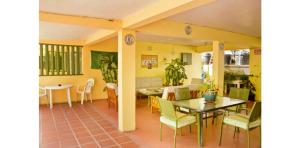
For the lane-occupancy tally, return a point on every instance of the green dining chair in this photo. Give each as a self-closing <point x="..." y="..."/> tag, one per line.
<point x="172" y="118"/>
<point x="239" y="93"/>
<point x="246" y="122"/>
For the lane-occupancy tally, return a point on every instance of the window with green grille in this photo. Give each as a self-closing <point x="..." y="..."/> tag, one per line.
<point x="59" y="60"/>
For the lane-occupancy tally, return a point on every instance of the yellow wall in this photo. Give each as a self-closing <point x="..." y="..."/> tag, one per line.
<point x="167" y="51"/>
<point x="255" y="69"/>
<point x="97" y="93"/>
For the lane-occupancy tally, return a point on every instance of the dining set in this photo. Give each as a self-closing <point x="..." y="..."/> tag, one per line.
<point x="83" y="92"/>
<point x="182" y="109"/>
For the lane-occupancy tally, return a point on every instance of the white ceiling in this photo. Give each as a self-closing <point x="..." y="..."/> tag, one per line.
<point x="240" y="16"/>
<point x="56" y="31"/>
<point x="172" y="40"/>
<point x="108" y="9"/>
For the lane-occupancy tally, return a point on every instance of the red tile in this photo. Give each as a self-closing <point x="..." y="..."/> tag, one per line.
<point x="51" y="145"/>
<point x="97" y="131"/>
<point x="68" y="142"/>
<point x="82" y="134"/>
<point x="108" y="142"/>
<point x="101" y="137"/>
<point x="129" y="145"/>
<point x="116" y="134"/>
<point x="122" y="139"/>
<point x="85" y="140"/>
<point x="89" y="145"/>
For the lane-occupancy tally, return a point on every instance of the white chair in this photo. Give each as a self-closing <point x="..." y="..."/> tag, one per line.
<point x="86" y="91"/>
<point x="43" y="93"/>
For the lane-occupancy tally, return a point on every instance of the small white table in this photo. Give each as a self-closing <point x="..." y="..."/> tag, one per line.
<point x="58" y="87"/>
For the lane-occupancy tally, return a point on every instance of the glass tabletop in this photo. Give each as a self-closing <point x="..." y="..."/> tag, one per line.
<point x="200" y="105"/>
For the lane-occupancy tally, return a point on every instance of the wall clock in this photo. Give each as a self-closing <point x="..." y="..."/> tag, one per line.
<point x="188" y="30"/>
<point x="129" y="39"/>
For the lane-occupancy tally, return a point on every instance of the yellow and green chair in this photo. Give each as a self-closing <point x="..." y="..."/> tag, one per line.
<point x="173" y="119"/>
<point x="246" y="122"/>
<point x="239" y="93"/>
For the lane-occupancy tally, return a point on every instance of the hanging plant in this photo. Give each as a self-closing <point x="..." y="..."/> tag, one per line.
<point x="175" y="73"/>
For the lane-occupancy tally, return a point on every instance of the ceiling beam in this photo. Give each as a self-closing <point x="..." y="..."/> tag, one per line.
<point x="80" y="20"/>
<point x="160" y="10"/>
<point x="176" y="29"/>
<point x="64" y="42"/>
<point x="99" y="36"/>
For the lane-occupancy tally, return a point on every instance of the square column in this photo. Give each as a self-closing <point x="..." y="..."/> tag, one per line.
<point x="218" y="65"/>
<point x="126" y="80"/>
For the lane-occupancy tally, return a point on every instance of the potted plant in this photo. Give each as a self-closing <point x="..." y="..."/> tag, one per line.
<point x="211" y="91"/>
<point x="206" y="58"/>
<point x="175" y="73"/>
<point x="109" y="68"/>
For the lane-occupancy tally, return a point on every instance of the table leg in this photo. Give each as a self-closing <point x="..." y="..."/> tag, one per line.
<point x="50" y="95"/>
<point x="201" y="128"/>
<point x="69" y="97"/>
<point x="149" y="101"/>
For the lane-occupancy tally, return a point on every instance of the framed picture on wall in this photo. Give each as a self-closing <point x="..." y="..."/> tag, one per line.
<point x="149" y="61"/>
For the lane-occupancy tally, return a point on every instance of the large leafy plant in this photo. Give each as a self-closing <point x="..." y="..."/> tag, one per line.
<point x="175" y="72"/>
<point x="109" y="68"/>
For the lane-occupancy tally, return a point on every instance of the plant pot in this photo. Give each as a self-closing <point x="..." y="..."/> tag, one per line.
<point x="210" y="96"/>
<point x="206" y="58"/>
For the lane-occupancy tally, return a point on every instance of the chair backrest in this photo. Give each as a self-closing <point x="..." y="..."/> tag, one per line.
<point x="182" y="93"/>
<point x="196" y="81"/>
<point x="255" y="112"/>
<point x="90" y="83"/>
<point x="167" y="109"/>
<point x="42" y="91"/>
<point x="239" y="93"/>
<point x="112" y="86"/>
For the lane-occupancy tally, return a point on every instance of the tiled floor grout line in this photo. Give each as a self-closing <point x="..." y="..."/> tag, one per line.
<point x="68" y="122"/>
<point x="86" y="126"/>
<point x="102" y="127"/>
<point x="56" y="130"/>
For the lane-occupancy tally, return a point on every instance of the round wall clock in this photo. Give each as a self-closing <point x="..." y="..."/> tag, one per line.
<point x="188" y="30"/>
<point x="129" y="39"/>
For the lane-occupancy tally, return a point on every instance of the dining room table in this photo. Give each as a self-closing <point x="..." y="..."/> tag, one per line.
<point x="200" y="106"/>
<point x="50" y="88"/>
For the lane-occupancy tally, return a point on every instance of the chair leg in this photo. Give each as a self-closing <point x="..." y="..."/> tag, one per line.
<point x="248" y="135"/>
<point x="90" y="96"/>
<point x="82" y="97"/>
<point x="175" y="132"/>
<point x="160" y="131"/>
<point x="220" y="139"/>
<point x="206" y="120"/>
<point x="259" y="135"/>
<point x="234" y="131"/>
<point x="180" y="131"/>
<point x="190" y="128"/>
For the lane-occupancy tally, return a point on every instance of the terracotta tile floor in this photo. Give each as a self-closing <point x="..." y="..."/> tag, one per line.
<point x="81" y="126"/>
<point x="94" y="125"/>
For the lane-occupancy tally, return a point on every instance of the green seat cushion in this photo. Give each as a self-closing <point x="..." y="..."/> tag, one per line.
<point x="182" y="93"/>
<point x="241" y="121"/>
<point x="184" y="121"/>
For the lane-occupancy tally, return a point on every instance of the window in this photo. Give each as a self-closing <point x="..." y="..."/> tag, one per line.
<point x="59" y="60"/>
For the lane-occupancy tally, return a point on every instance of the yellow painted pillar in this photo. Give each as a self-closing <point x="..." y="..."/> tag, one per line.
<point x="218" y="65"/>
<point x="126" y="80"/>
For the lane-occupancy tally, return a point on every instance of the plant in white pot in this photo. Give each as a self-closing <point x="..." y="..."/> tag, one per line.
<point x="175" y="73"/>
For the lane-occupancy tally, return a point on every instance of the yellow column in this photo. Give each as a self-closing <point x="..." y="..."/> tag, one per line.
<point x="218" y="65"/>
<point x="126" y="81"/>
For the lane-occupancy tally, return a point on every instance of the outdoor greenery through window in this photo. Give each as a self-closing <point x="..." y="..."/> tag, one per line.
<point x="59" y="60"/>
